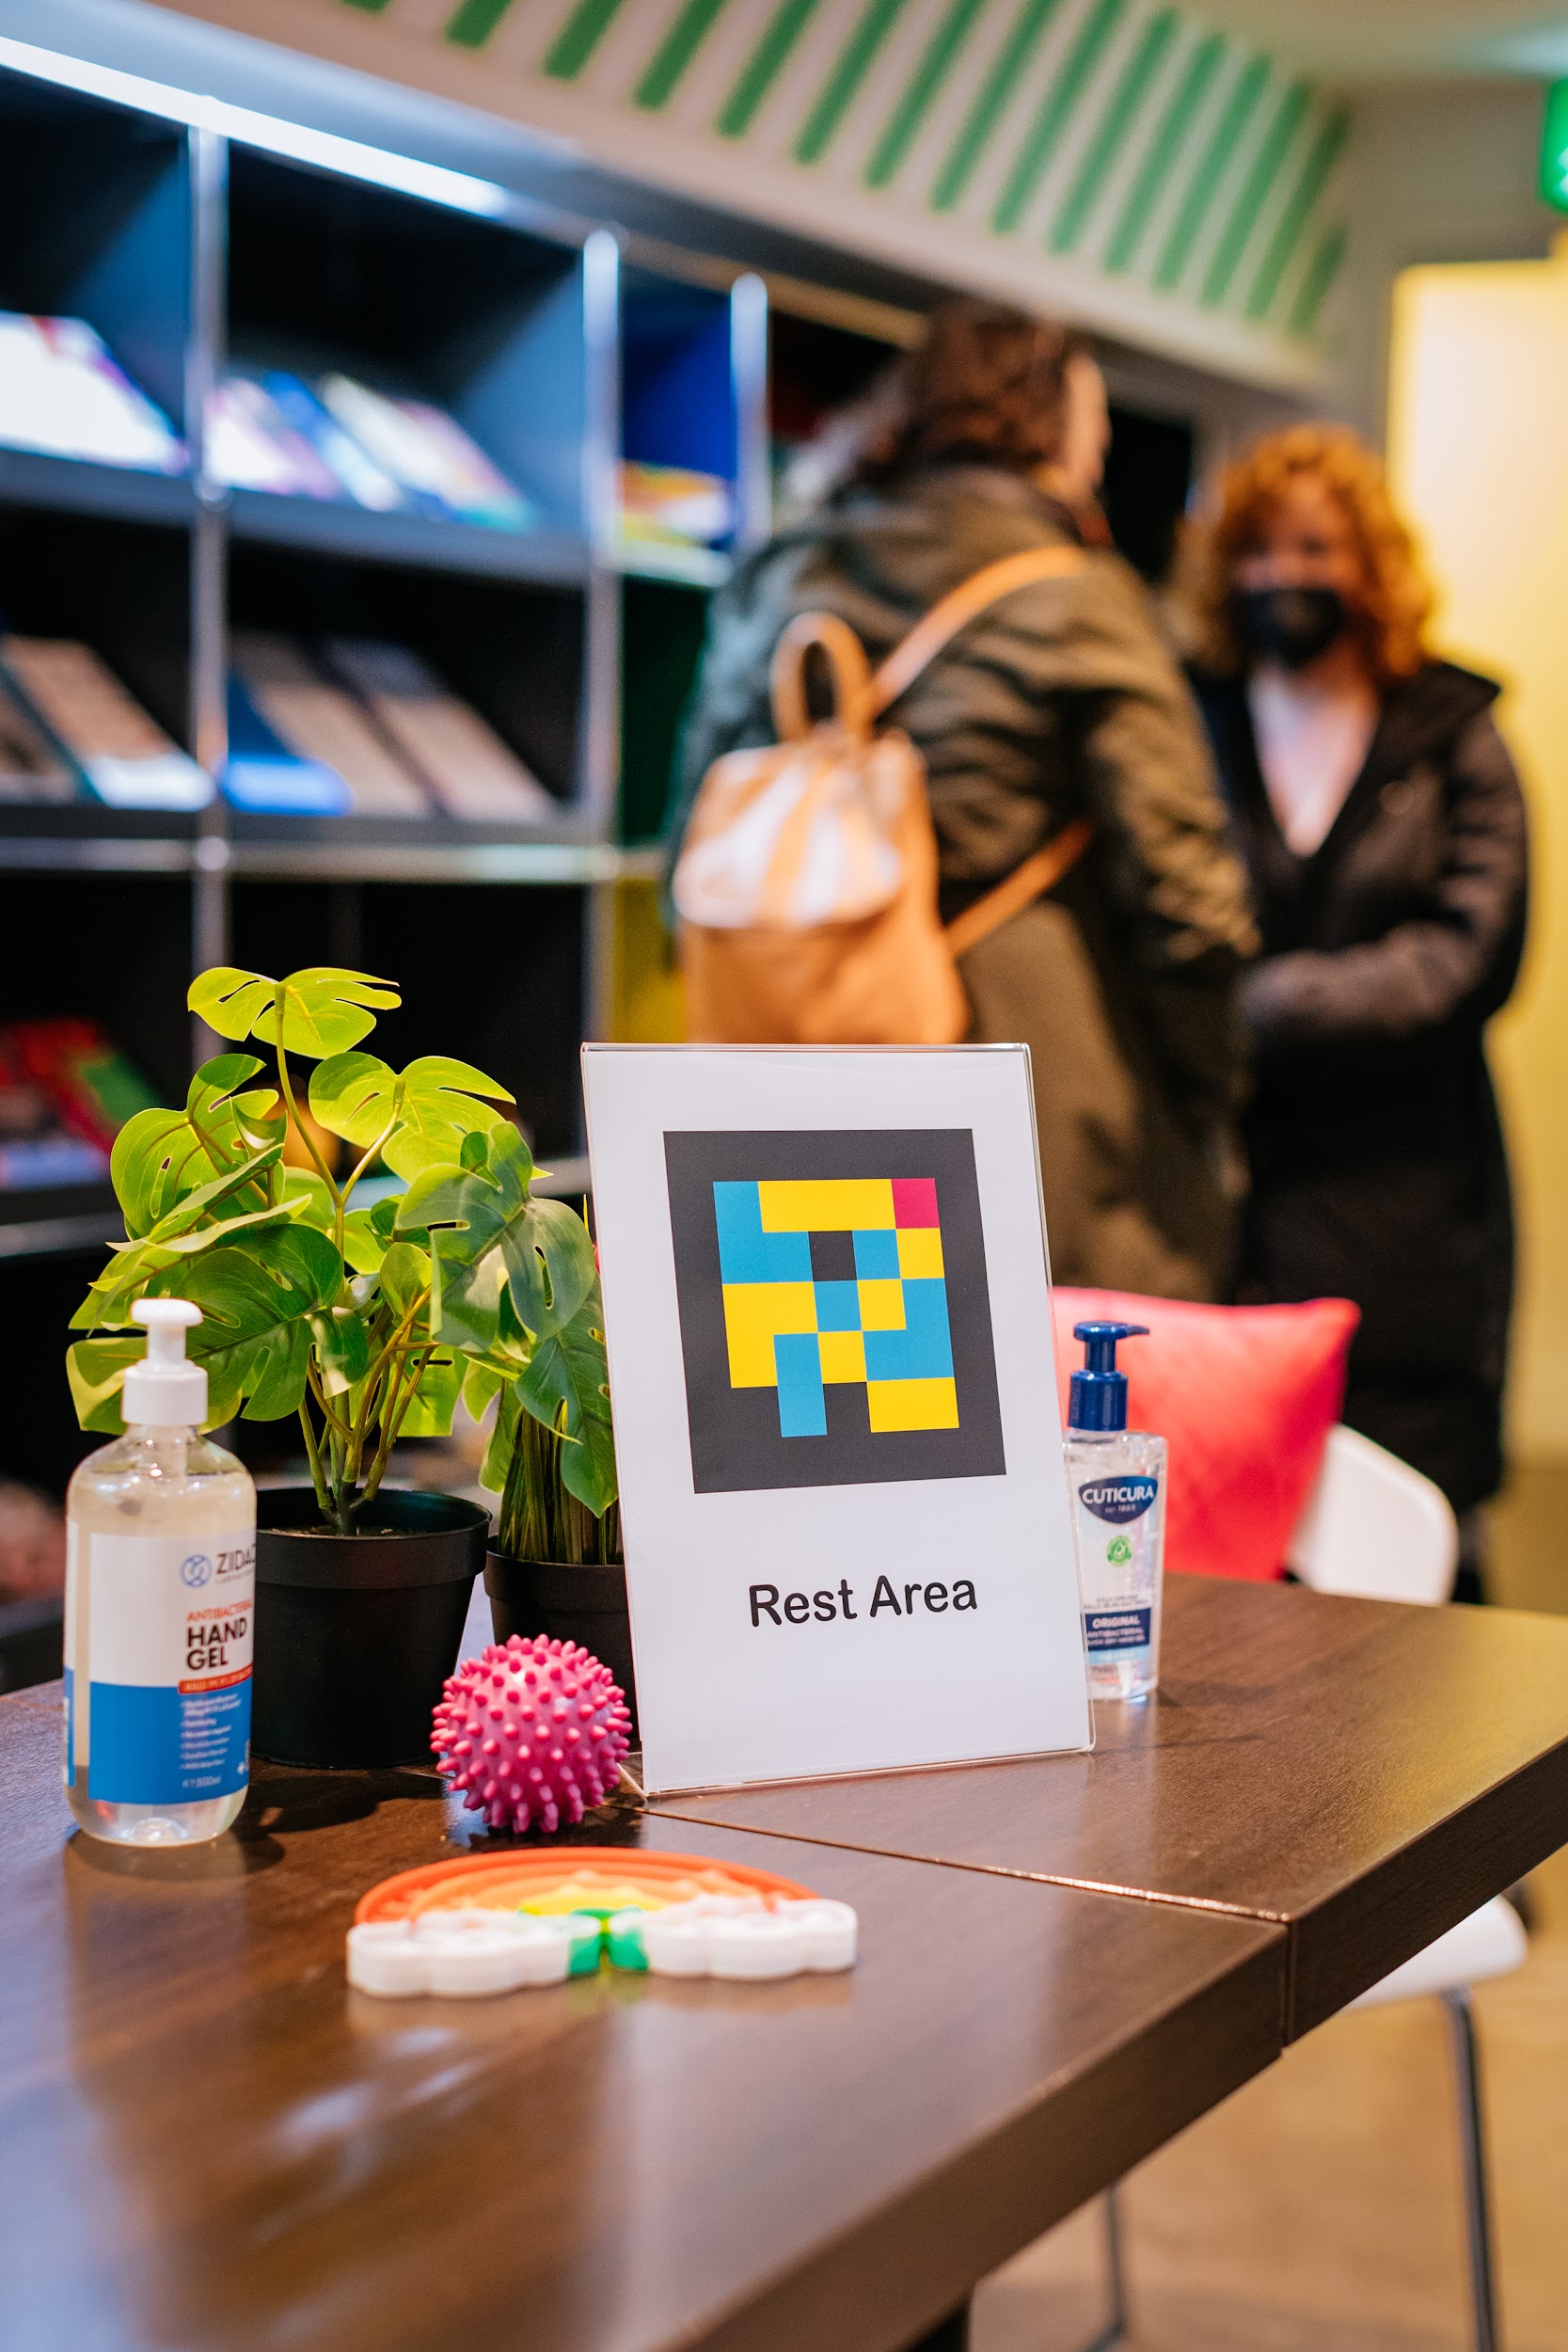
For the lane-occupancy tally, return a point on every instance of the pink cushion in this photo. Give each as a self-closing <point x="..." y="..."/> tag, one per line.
<point x="1244" y="1396"/>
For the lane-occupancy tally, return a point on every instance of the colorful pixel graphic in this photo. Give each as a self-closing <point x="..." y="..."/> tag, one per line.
<point x="836" y="1280"/>
<point x="835" y="1307"/>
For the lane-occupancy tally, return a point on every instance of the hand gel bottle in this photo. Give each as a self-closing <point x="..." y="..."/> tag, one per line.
<point x="1117" y="1481"/>
<point x="159" y="1610"/>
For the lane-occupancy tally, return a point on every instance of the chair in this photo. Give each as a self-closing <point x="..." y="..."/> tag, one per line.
<point x="1375" y="1527"/>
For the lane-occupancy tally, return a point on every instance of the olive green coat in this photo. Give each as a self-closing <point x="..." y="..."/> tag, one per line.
<point x="1061" y="701"/>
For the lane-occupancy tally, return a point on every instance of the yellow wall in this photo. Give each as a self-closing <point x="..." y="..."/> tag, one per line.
<point x="1478" y="444"/>
<point x="648" y="1005"/>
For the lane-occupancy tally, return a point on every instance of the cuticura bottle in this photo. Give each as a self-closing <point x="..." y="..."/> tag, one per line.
<point x="159" y="1609"/>
<point x="1116" y="1476"/>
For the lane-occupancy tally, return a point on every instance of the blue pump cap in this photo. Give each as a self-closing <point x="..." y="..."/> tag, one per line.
<point x="1098" y="1394"/>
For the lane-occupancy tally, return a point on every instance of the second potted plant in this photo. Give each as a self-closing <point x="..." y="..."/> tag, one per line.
<point x="555" y="1564"/>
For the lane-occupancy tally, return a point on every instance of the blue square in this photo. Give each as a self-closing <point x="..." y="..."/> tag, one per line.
<point x="876" y="1255"/>
<point x="838" y="1306"/>
<point x="803" y="1407"/>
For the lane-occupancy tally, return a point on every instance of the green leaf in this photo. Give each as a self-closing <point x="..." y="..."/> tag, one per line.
<point x="487" y="1232"/>
<point x="434" y="1399"/>
<point x="324" y="1010"/>
<point x="404" y="1274"/>
<point x="238" y="1119"/>
<point x="342" y="1342"/>
<point x="427" y="1113"/>
<point x="134" y="1265"/>
<point x="257" y="1328"/>
<point x="364" y="1243"/>
<point x="161" y="1156"/>
<point x="503" y="1441"/>
<point x="309" y="1200"/>
<point x="569" y="1370"/>
<point x="482" y="1384"/>
<point x="96" y="1369"/>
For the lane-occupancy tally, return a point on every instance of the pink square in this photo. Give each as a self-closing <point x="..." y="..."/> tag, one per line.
<point x="914" y="1201"/>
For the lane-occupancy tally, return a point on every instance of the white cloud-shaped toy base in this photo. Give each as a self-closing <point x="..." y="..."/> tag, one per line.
<point x="464" y="1954"/>
<point x="717" y="1936"/>
<point x="469" y="1954"/>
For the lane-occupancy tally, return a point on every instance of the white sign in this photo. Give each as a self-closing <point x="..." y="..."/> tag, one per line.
<point x="847" y="1536"/>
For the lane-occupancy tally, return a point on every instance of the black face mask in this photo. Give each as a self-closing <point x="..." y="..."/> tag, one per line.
<point x="1291" y="625"/>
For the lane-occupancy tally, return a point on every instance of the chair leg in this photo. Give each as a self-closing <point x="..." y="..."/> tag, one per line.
<point x="1462" y="2028"/>
<point x="1115" y="2330"/>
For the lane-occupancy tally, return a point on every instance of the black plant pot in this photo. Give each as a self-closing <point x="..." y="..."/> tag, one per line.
<point x="355" y="1634"/>
<point x="586" y="1604"/>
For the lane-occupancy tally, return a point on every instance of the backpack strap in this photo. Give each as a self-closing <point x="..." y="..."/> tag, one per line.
<point x="858" y="697"/>
<point x="961" y="605"/>
<point x="1022" y="886"/>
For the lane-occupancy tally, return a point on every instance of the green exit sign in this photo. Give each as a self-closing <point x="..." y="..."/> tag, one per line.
<point x="1554" y="148"/>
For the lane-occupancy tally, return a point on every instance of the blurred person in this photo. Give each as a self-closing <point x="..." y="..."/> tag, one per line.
<point x="1383" y="826"/>
<point x="1060" y="702"/>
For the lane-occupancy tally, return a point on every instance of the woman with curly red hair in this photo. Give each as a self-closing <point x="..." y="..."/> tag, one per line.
<point x="1381" y="819"/>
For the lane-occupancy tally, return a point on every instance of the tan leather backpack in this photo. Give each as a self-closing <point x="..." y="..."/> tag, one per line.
<point x="806" y="886"/>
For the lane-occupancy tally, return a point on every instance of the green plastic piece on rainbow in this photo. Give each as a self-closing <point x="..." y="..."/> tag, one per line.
<point x="587" y="1930"/>
<point x="623" y="1941"/>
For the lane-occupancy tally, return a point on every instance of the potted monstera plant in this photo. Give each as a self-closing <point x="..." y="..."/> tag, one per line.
<point x="360" y="1322"/>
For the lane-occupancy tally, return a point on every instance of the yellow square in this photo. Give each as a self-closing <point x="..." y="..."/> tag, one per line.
<point x="919" y="1253"/>
<point x="831" y="1204"/>
<point x="843" y="1355"/>
<point x="881" y="1305"/>
<point x="754" y="1313"/>
<point x="913" y="1404"/>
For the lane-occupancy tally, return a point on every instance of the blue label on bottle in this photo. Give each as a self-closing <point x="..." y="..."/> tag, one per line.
<point x="152" y="1746"/>
<point x="1119" y="1500"/>
<point x="158" y="1638"/>
<point x="1117" y="1632"/>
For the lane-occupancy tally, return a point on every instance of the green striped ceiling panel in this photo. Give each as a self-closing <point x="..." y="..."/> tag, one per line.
<point x="1122" y="142"/>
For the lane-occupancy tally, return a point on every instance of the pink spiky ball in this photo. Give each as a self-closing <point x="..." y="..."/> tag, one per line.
<point x="532" y="1732"/>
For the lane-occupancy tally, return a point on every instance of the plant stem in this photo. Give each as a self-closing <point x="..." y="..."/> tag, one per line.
<point x="292" y="1109"/>
<point x="322" y="1498"/>
<point x="361" y="1165"/>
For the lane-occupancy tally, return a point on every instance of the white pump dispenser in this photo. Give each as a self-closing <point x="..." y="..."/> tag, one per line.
<point x="159" y="1609"/>
<point x="164" y="1391"/>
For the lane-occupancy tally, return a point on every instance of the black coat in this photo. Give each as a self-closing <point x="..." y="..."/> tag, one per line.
<point x="1379" y="1171"/>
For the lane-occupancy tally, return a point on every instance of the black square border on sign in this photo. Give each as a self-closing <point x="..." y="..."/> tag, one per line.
<point x="735" y="1445"/>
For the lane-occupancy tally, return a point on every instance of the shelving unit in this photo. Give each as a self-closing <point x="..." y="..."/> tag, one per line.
<point x="186" y="251"/>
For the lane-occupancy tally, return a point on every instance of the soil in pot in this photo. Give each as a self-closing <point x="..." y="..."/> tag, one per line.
<point x="355" y="1634"/>
<point x="584" y="1603"/>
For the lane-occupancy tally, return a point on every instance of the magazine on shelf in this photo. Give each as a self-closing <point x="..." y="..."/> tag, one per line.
<point x="120" y="753"/>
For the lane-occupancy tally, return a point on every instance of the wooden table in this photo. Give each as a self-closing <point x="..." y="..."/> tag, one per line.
<point x="1362" y="1775"/>
<point x="207" y="2144"/>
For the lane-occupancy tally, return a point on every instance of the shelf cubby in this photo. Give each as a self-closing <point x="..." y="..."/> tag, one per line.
<point x="96" y="209"/>
<point x="662" y="631"/>
<point x="482" y="319"/>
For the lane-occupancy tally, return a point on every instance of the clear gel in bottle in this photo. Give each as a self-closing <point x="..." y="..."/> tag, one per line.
<point x="1116" y="1478"/>
<point x="159" y="1609"/>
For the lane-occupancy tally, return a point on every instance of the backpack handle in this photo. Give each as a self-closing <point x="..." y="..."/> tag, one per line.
<point x="847" y="663"/>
